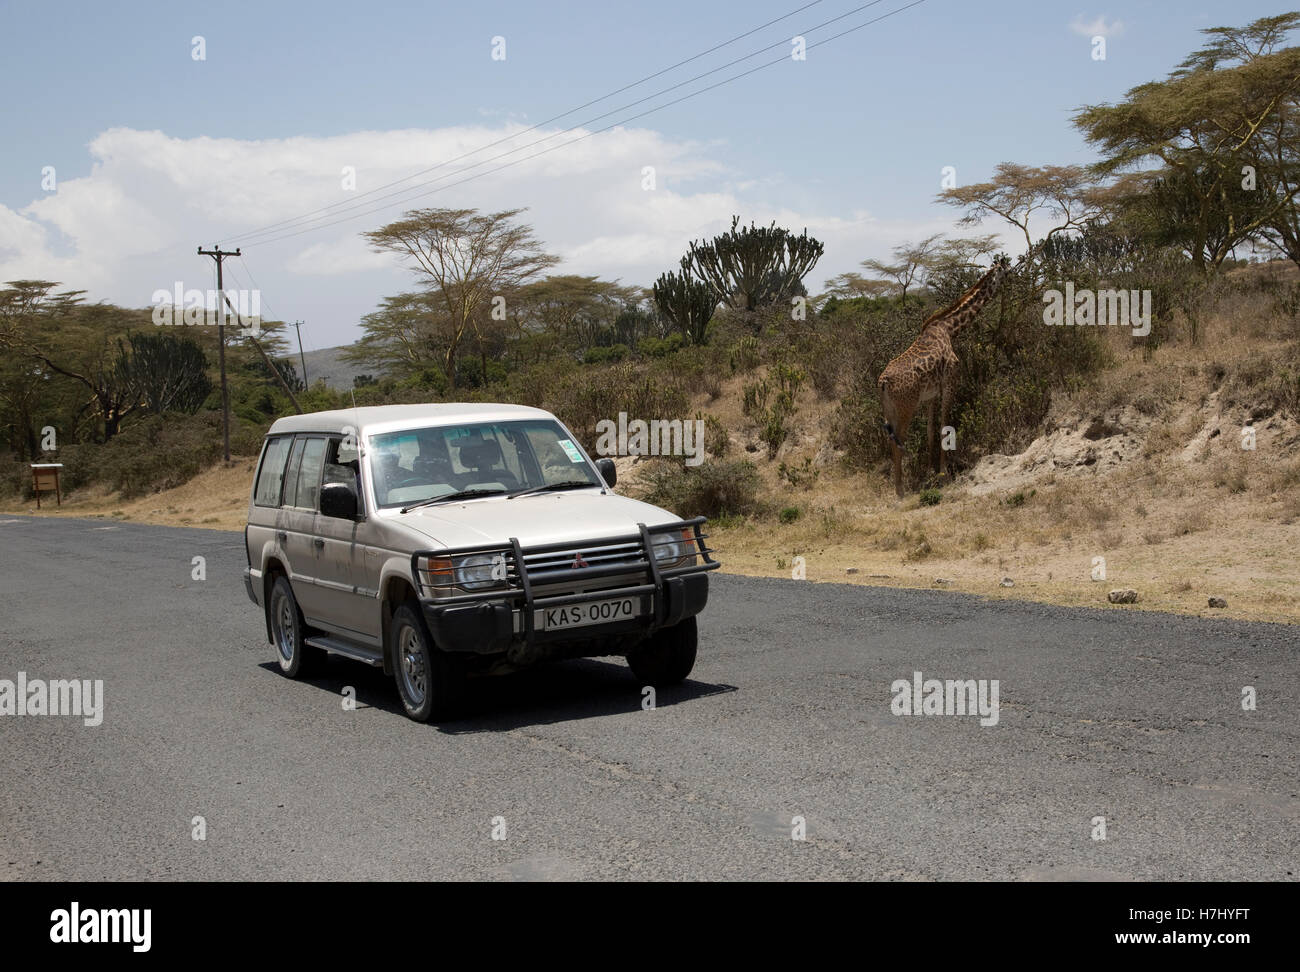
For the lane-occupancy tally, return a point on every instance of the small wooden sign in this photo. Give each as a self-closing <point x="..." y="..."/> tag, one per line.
<point x="45" y="476"/>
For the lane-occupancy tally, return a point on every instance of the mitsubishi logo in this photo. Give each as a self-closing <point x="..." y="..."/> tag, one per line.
<point x="578" y="562"/>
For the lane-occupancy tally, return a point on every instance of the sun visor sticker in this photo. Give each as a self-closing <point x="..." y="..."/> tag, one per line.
<point x="571" y="450"/>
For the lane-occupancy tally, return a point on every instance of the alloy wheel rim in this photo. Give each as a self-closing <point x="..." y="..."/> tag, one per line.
<point x="284" y="628"/>
<point x="414" y="672"/>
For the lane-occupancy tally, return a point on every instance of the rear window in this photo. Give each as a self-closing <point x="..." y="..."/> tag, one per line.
<point x="270" y="473"/>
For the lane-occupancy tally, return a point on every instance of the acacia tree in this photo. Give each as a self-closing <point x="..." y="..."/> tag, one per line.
<point x="1016" y="193"/>
<point x="950" y="265"/>
<point x="578" y="312"/>
<point x="408" y="333"/>
<point x="1227" y="106"/>
<point x="466" y="259"/>
<point x="73" y="340"/>
<point x="1274" y="152"/>
<point x="852" y="284"/>
<point x="910" y="264"/>
<point x="755" y="266"/>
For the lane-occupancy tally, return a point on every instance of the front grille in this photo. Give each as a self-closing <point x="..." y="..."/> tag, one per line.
<point x="565" y="571"/>
<point x="569" y="564"/>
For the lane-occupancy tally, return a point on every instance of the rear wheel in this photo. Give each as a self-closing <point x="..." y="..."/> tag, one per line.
<point x="429" y="681"/>
<point x="668" y="656"/>
<point x="296" y="658"/>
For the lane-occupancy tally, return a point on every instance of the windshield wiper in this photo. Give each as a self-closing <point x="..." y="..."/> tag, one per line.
<point x="547" y="487"/>
<point x="462" y="494"/>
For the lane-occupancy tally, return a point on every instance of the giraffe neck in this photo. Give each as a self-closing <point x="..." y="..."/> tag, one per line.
<point x="965" y="308"/>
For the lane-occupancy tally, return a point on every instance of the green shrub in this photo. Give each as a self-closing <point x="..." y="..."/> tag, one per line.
<point x="746" y="354"/>
<point x="930" y="497"/>
<point x="713" y="488"/>
<point x="600" y="355"/>
<point x="653" y="347"/>
<point x="716" y="441"/>
<point x="789" y="514"/>
<point x="787" y="378"/>
<point x="799" y="477"/>
<point x="772" y="428"/>
<point x="583" y="400"/>
<point x="154" y="452"/>
<point x="754" y="397"/>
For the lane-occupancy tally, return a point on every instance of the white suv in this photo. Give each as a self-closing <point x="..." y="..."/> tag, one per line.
<point x="439" y="540"/>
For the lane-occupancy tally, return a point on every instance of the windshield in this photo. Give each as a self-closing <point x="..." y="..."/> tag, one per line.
<point x="495" y="457"/>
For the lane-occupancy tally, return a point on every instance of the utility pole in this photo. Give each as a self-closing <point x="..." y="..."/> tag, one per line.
<point x="297" y="326"/>
<point x="218" y="254"/>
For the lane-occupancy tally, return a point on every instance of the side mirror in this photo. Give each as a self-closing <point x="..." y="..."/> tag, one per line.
<point x="338" y="500"/>
<point x="608" y="472"/>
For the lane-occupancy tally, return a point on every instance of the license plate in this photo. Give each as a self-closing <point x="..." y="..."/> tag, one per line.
<point x="592" y="612"/>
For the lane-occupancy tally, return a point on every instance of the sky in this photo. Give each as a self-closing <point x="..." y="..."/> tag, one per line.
<point x="123" y="149"/>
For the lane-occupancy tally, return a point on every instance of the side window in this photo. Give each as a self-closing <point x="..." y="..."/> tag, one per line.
<point x="342" y="465"/>
<point x="313" y="455"/>
<point x="291" y="472"/>
<point x="270" y="473"/>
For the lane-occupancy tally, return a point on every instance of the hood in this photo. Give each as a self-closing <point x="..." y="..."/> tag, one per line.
<point x="536" y="519"/>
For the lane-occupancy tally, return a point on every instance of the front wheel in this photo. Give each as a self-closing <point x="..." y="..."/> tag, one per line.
<point x="428" y="680"/>
<point x="668" y="656"/>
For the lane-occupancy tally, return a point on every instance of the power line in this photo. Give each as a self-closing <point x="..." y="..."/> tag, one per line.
<point x="298" y="232"/>
<point x="351" y="205"/>
<point x="270" y="363"/>
<point x="649" y="77"/>
<point x="297" y="325"/>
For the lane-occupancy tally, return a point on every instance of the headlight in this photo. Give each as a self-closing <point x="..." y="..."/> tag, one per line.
<point x="475" y="571"/>
<point x="670" y="548"/>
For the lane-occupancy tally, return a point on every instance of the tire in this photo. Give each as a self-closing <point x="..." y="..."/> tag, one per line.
<point x="296" y="658"/>
<point x="667" y="657"/>
<point x="430" y="682"/>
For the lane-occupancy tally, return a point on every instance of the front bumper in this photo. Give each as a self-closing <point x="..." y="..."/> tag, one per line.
<point x="512" y="620"/>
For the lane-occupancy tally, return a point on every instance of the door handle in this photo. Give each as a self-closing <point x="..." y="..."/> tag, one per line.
<point x="318" y="543"/>
<point x="281" y="536"/>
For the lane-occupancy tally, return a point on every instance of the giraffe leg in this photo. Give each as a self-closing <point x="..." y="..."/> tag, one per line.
<point x="945" y="402"/>
<point x="903" y="418"/>
<point x="893" y="435"/>
<point x="932" y="458"/>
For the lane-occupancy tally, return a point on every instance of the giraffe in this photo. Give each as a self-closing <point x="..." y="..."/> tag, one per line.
<point x="927" y="371"/>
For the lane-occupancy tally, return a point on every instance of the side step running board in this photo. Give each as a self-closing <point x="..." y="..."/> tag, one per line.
<point x="348" y="649"/>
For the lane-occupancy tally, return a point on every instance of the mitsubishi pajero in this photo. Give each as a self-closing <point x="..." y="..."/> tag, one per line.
<point x="440" y="541"/>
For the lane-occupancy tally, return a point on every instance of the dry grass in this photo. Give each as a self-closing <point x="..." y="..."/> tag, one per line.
<point x="1187" y="516"/>
<point x="216" y="499"/>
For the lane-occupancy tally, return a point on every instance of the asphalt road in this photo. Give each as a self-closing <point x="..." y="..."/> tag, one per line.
<point x="1129" y="716"/>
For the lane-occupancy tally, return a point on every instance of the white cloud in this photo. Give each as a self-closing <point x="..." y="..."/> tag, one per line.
<point x="1097" y="27"/>
<point x="131" y="226"/>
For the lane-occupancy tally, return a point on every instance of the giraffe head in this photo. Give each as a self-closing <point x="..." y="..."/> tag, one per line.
<point x="998" y="272"/>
